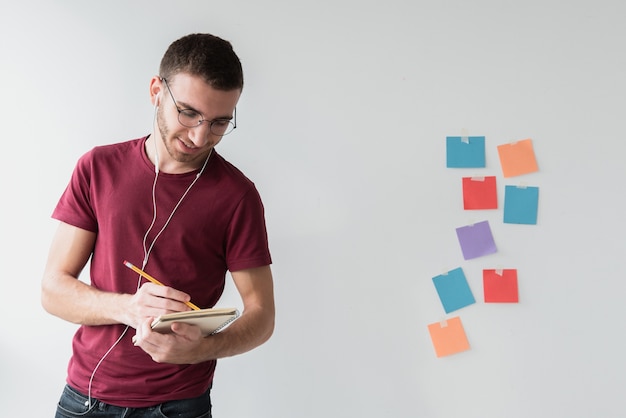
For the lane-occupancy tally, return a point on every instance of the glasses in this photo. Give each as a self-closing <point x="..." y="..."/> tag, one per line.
<point x="192" y="119"/>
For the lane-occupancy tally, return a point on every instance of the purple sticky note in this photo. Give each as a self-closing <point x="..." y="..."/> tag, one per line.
<point x="476" y="240"/>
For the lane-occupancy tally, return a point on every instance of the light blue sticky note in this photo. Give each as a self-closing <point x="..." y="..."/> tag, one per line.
<point x="453" y="290"/>
<point x="465" y="152"/>
<point x="520" y="205"/>
<point x="476" y="240"/>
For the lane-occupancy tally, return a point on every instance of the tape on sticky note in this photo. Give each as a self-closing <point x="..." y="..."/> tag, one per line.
<point x="465" y="136"/>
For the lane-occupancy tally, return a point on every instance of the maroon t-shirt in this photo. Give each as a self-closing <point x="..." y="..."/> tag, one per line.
<point x="218" y="226"/>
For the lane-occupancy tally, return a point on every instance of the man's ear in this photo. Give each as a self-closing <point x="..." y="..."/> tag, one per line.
<point x="155" y="91"/>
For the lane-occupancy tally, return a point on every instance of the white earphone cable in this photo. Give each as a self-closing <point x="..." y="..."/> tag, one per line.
<point x="148" y="250"/>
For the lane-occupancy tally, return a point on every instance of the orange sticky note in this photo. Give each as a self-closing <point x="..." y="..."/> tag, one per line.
<point x="517" y="158"/>
<point x="448" y="337"/>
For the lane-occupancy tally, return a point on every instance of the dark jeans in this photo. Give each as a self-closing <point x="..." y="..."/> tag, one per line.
<point x="74" y="404"/>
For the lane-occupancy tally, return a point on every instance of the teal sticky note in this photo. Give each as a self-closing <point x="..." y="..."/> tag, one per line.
<point x="453" y="289"/>
<point x="465" y="151"/>
<point x="520" y="205"/>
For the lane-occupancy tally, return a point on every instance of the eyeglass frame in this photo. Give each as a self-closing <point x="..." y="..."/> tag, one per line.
<point x="232" y="121"/>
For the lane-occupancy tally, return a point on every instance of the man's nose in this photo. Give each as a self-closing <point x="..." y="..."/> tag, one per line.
<point x="201" y="134"/>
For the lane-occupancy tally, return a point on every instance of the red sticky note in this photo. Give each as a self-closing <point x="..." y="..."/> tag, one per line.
<point x="500" y="286"/>
<point x="480" y="193"/>
<point x="448" y="337"/>
<point x="517" y="158"/>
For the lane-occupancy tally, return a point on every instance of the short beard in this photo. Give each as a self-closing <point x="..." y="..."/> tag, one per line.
<point x="165" y="132"/>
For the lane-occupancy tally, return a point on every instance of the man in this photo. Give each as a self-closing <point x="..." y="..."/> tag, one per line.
<point x="171" y="204"/>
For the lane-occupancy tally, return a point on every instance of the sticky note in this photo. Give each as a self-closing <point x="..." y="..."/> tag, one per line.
<point x="465" y="151"/>
<point x="476" y="240"/>
<point x="480" y="193"/>
<point x="448" y="337"/>
<point x="500" y="286"/>
<point x="520" y="205"/>
<point x="517" y="158"/>
<point x="453" y="289"/>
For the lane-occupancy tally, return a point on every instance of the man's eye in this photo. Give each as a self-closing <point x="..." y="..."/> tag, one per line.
<point x="221" y="122"/>
<point x="191" y="114"/>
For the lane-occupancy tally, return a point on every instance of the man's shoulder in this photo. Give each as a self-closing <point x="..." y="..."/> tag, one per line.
<point x="111" y="155"/>
<point x="227" y="170"/>
<point x="118" y="147"/>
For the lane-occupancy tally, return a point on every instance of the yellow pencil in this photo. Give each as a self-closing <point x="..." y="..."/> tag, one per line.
<point x="153" y="280"/>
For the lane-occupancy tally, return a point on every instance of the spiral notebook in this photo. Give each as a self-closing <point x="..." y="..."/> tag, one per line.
<point x="211" y="320"/>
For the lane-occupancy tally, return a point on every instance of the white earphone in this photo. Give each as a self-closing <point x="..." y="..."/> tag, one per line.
<point x="156" y="151"/>
<point x="148" y="250"/>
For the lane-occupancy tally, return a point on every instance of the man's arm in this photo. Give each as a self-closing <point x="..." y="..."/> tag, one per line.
<point x="63" y="295"/>
<point x="253" y="328"/>
<point x="256" y="324"/>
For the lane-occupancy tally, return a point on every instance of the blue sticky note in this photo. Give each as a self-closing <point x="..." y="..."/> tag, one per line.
<point x="520" y="205"/>
<point x="453" y="290"/>
<point x="476" y="240"/>
<point x="465" y="152"/>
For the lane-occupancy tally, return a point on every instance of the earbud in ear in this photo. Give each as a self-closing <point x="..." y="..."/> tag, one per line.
<point x="157" y="99"/>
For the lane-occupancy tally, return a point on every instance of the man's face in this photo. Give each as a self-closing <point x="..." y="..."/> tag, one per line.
<point x="188" y="147"/>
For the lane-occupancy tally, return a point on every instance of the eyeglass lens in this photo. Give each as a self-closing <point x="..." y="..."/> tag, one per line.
<point x="191" y="119"/>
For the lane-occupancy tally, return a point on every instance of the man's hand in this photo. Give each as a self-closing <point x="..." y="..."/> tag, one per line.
<point x="152" y="300"/>
<point x="179" y="347"/>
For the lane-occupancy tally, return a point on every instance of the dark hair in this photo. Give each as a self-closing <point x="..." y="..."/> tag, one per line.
<point x="204" y="55"/>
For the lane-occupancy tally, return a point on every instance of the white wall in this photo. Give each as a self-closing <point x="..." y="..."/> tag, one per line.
<point x="342" y="127"/>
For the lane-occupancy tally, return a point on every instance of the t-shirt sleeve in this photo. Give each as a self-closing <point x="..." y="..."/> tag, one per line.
<point x="74" y="206"/>
<point x="247" y="243"/>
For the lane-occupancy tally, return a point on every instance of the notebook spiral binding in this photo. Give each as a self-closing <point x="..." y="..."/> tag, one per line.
<point x="227" y="323"/>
